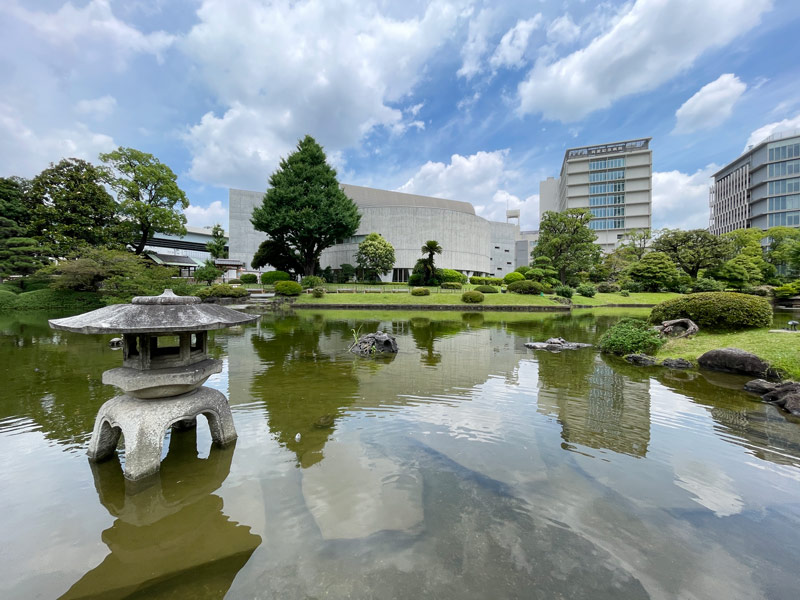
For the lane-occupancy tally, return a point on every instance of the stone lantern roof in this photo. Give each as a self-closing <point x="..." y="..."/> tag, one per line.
<point x="166" y="313"/>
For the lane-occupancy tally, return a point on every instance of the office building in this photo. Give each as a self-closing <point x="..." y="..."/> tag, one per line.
<point x="614" y="181"/>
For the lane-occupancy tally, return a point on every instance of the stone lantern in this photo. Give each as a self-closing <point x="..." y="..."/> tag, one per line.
<point x="165" y="363"/>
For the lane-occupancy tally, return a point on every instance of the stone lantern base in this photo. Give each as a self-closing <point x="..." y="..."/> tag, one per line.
<point x="144" y="423"/>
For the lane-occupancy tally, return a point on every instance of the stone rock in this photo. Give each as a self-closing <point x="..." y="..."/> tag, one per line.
<point x="676" y="363"/>
<point x="375" y="343"/>
<point x="735" y="360"/>
<point x="759" y="386"/>
<point x="792" y="404"/>
<point x="780" y="392"/>
<point x="641" y="360"/>
<point x="556" y="345"/>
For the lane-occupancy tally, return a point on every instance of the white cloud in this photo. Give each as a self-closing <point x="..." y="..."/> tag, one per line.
<point x="563" y="30"/>
<point x="477" y="44"/>
<point x="511" y="49"/>
<point x="654" y="41"/>
<point x="482" y="179"/>
<point x="711" y="106"/>
<point x="327" y="69"/>
<point x="77" y="30"/>
<point x="25" y="152"/>
<point x="99" y="108"/>
<point x="204" y="216"/>
<point x="680" y="200"/>
<point x="767" y="130"/>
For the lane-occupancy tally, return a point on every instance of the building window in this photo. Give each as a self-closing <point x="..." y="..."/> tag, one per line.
<point x="784" y="151"/>
<point x="784" y="186"/>
<point x="400" y="275"/>
<point x="786" y="219"/>
<point x="782" y="169"/>
<point x="508" y="263"/>
<point x="497" y="247"/>
<point x="505" y="250"/>
<point x="785" y="202"/>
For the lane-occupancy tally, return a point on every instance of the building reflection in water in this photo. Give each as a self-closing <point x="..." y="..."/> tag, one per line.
<point x="169" y="533"/>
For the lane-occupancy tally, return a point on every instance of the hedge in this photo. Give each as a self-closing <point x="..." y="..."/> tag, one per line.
<point x="722" y="311"/>
<point x="420" y="291"/>
<point x="221" y="290"/>
<point x="271" y="277"/>
<point x="486" y="289"/>
<point x="472" y="297"/>
<point x="249" y="278"/>
<point x="485" y="280"/>
<point x="47" y="299"/>
<point x="452" y="276"/>
<point x="526" y="286"/>
<point x="451" y="285"/>
<point x="630" y="336"/>
<point x="288" y="288"/>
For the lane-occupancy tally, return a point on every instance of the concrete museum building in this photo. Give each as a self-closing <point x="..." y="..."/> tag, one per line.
<point x="471" y="244"/>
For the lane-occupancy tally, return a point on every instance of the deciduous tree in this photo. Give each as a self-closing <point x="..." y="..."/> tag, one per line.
<point x="375" y="256"/>
<point x="566" y="239"/>
<point x="304" y="210"/>
<point x="693" y="250"/>
<point x="655" y="271"/>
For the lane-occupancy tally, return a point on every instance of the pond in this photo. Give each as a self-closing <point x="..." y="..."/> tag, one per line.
<point x="466" y="466"/>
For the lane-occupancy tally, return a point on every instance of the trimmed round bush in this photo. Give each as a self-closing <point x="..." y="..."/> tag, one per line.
<point x="318" y="292"/>
<point x="485" y="280"/>
<point x="288" y="288"/>
<point x="564" y="291"/>
<point x="249" y="278"/>
<point x="534" y="273"/>
<point x="512" y="277"/>
<point x="311" y="281"/>
<point x="221" y="290"/>
<point x="526" y="287"/>
<point x="7" y="299"/>
<point x="630" y="336"/>
<point x="234" y="281"/>
<point x="451" y="285"/>
<point x="587" y="290"/>
<point x="472" y="297"/>
<point x="706" y="284"/>
<point x="452" y="276"/>
<point x="420" y="291"/>
<point x="607" y="287"/>
<point x="722" y="311"/>
<point x="486" y="289"/>
<point x="624" y="293"/>
<point x="270" y="277"/>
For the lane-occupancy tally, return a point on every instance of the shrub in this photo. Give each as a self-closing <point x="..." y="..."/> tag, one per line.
<point x="607" y="287"/>
<point x="318" y="292"/>
<point x="716" y="310"/>
<point x="587" y="290"/>
<point x="564" y="291"/>
<point x="270" y="277"/>
<point x="633" y="286"/>
<point x="512" y="277"/>
<point x="452" y="276"/>
<point x="624" y="293"/>
<point x="525" y="287"/>
<point x="761" y="290"/>
<point x="472" y="297"/>
<point x="207" y="273"/>
<point x="47" y="299"/>
<point x="249" y="278"/>
<point x="288" y="288"/>
<point x="535" y="274"/>
<point x="415" y="279"/>
<point x="486" y="289"/>
<point x="630" y="336"/>
<point x="485" y="280"/>
<point x="706" y="284"/>
<point x="420" y="291"/>
<point x="523" y="270"/>
<point x="311" y="281"/>
<point x="7" y="300"/>
<point x="234" y="281"/>
<point x="221" y="290"/>
<point x="451" y="285"/>
<point x="785" y="291"/>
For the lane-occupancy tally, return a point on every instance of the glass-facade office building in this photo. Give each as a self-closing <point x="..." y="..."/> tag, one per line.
<point x="614" y="181"/>
<point x="760" y="189"/>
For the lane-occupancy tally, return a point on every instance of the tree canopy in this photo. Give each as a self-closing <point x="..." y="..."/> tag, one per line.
<point x="19" y="254"/>
<point x="375" y="256"/>
<point x="655" y="271"/>
<point x="566" y="239"/>
<point x="304" y="211"/>
<point x="71" y="208"/>
<point x="693" y="250"/>
<point x="149" y="198"/>
<point x="216" y="247"/>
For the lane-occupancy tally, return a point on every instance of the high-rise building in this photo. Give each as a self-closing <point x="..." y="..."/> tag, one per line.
<point x="760" y="189"/>
<point x="614" y="181"/>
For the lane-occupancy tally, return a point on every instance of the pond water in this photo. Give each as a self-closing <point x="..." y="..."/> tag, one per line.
<point x="464" y="467"/>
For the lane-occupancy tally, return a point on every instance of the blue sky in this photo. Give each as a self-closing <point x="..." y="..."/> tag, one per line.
<point x="464" y="99"/>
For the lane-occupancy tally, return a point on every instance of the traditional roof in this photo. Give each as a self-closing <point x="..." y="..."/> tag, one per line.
<point x="154" y="314"/>
<point x="228" y="262"/>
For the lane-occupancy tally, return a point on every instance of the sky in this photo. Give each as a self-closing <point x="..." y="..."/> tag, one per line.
<point x="464" y="99"/>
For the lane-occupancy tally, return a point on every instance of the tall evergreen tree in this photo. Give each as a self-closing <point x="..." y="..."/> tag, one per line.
<point x="693" y="250"/>
<point x="19" y="254"/>
<point x="216" y="247"/>
<point x="304" y="211"/>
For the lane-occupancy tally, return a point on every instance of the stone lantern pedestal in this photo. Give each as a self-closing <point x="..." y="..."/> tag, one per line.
<point x="165" y="363"/>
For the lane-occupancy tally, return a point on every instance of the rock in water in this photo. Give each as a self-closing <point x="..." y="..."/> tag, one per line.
<point x="555" y="345"/>
<point x="676" y="363"/>
<point x="759" y="386"/>
<point x="735" y="360"/>
<point x="641" y="360"/>
<point x="375" y="343"/>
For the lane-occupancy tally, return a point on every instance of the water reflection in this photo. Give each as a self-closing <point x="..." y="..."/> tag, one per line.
<point x="172" y="532"/>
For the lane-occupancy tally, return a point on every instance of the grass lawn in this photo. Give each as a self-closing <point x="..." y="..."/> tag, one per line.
<point x="453" y="297"/>
<point x="640" y="298"/>
<point x="781" y="350"/>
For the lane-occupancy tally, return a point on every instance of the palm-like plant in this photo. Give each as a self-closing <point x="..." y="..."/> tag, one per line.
<point x="430" y="248"/>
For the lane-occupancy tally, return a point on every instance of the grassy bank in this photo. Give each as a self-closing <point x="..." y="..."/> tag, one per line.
<point x="47" y="299"/>
<point x="781" y="350"/>
<point x="639" y="298"/>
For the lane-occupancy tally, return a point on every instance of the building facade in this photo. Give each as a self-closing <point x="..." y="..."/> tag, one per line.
<point x="760" y="189"/>
<point x="614" y="181"/>
<point x="471" y="244"/>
